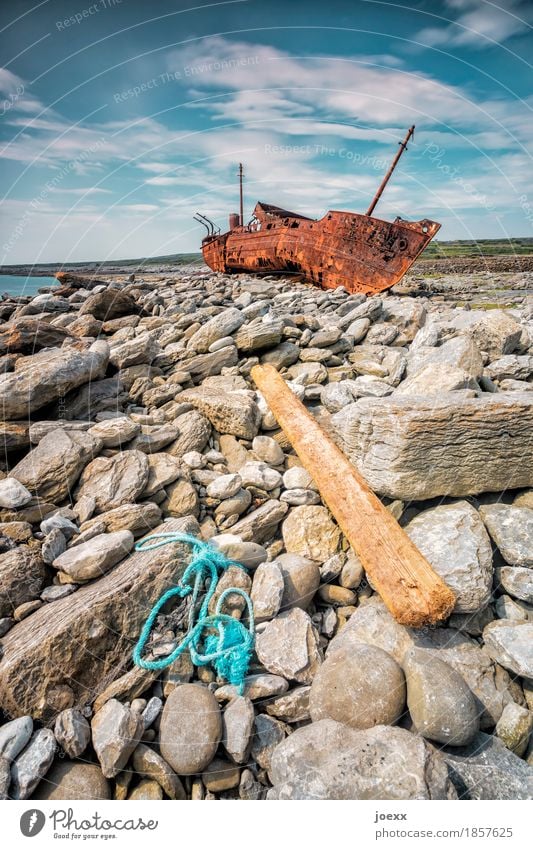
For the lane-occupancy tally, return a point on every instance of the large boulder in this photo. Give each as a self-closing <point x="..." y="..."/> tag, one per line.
<point x="416" y="448"/>
<point x="22" y="578"/>
<point x="234" y="413"/>
<point x="55" y="464"/>
<point x="110" y="303"/>
<point x="113" y="481"/>
<point x="67" y="652"/>
<point x="328" y="760"/>
<point x="48" y="375"/>
<point x="28" y="335"/>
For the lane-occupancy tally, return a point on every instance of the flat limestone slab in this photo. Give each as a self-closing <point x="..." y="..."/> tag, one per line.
<point x="415" y="448"/>
<point x="69" y="650"/>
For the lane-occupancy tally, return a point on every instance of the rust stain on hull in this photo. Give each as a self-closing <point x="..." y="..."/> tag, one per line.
<point x="361" y="253"/>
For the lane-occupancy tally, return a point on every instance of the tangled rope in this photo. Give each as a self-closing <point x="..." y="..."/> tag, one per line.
<point x="227" y="643"/>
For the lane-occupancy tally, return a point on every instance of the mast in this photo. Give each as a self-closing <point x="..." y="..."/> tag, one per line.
<point x="241" y="213"/>
<point x="386" y="178"/>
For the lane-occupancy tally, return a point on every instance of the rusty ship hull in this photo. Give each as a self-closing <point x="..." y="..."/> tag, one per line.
<point x="359" y="252"/>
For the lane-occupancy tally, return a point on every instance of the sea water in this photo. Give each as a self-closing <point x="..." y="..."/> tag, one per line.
<point x="15" y="285"/>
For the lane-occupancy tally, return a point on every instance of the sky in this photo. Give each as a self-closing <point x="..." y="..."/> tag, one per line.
<point x="120" y="118"/>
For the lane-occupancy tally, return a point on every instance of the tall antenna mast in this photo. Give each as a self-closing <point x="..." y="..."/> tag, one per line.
<point x="386" y="178"/>
<point x="241" y="212"/>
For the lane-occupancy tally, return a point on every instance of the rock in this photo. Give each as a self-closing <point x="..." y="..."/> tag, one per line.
<point x="486" y="769"/>
<point x="440" y="703"/>
<point x="459" y="352"/>
<point x="249" y="554"/>
<point x="52" y="468"/>
<point x="71" y="780"/>
<point x="234" y="452"/>
<point x="259" y="334"/>
<point x="77" y="646"/>
<point x="5" y="779"/>
<point x="292" y="707"/>
<point x="194" y="431"/>
<point x="372" y="624"/>
<point x="310" y="532"/>
<point x="13" y="494"/>
<point x="233" y="413"/>
<point x="259" y="475"/>
<point x="268" y="733"/>
<point x="14" y="736"/>
<point x="53" y="545"/>
<point x="191" y="728"/>
<point x="460" y="440"/>
<point x="48" y="375"/>
<point x="137" y="518"/>
<point x="149" y="764"/>
<point x="224" y="486"/>
<point x="514" y="728"/>
<point x="454" y="541"/>
<point x="116" y="731"/>
<point x="288" y="646"/>
<point x="28" y="335"/>
<point x="206" y="365"/>
<point x="360" y="687"/>
<point x="90" y="399"/>
<point x="32" y="764"/>
<point x="517" y="581"/>
<point x="237" y="727"/>
<point x="511" y="528"/>
<point x="267" y="591"/>
<point x="268" y="450"/>
<point x="141" y="349"/>
<point x="115" y="432"/>
<point x="255" y="687"/>
<point x="59" y="522"/>
<point x="220" y="775"/>
<point x="22" y="578"/>
<point x="163" y="469"/>
<point x="282" y="355"/>
<point x="261" y="524"/>
<point x="436" y="378"/>
<point x="510" y="367"/>
<point x="497" y="333"/>
<point x="509" y="643"/>
<point x="110" y="304"/>
<point x="114" y="480"/>
<point x="72" y="732"/>
<point x="328" y="760"/>
<point x="301" y="578"/>
<point x="14" y="435"/>
<point x="147" y="791"/>
<point x="221" y="325"/>
<point x="182" y="499"/>
<point x="96" y="557"/>
<point x="300" y="497"/>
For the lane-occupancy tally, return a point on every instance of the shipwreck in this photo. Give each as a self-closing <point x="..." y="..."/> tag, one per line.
<point x="350" y="249"/>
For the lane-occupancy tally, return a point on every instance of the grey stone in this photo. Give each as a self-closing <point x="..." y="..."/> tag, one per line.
<point x="194" y="432"/>
<point x="53" y="545"/>
<point x="224" y="486"/>
<point x="328" y="760"/>
<point x="32" y="764"/>
<point x="151" y="765"/>
<point x="311" y="532"/>
<point x="14" y="736"/>
<point x="114" y="481"/>
<point x="514" y="728"/>
<point x="414" y="448"/>
<point x="268" y="733"/>
<point x="511" y="528"/>
<point x="291" y="707"/>
<point x="116" y="731"/>
<point x="255" y="687"/>
<point x="52" y="468"/>
<point x="218" y="327"/>
<point x="288" y="646"/>
<point x="73" y="780"/>
<point x="96" y="557"/>
<point x="301" y="578"/>
<point x="518" y="581"/>
<point x="233" y="413"/>
<point x="237" y="727"/>
<point x="486" y="769"/>
<point x="441" y="705"/>
<point x="361" y="687"/>
<point x="115" y="432"/>
<point x="454" y="541"/>
<point x="509" y="643"/>
<point x="13" y="494"/>
<point x="267" y="591"/>
<point x="191" y="729"/>
<point x="72" y="732"/>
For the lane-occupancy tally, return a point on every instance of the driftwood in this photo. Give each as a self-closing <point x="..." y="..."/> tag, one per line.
<point x="411" y="589"/>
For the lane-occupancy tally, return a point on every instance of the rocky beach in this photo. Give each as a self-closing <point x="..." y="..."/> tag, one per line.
<point x="128" y="409"/>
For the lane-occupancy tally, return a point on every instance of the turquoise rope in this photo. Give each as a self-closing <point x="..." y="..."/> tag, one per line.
<point x="227" y="643"/>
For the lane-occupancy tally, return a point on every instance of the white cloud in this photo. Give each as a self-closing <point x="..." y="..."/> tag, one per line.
<point x="480" y="24"/>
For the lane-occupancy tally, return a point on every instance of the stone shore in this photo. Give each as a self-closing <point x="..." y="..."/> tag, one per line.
<point x="127" y="408"/>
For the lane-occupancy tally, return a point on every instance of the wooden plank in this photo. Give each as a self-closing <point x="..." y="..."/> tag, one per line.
<point x="411" y="589"/>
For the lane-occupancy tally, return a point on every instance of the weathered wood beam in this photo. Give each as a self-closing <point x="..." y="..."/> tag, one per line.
<point x="411" y="589"/>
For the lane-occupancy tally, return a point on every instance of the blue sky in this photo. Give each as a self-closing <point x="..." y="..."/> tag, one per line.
<point x="121" y="118"/>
